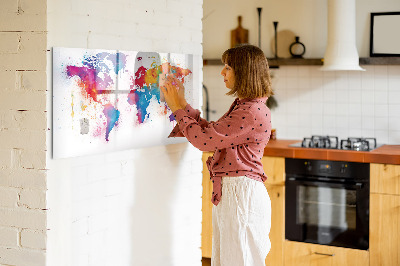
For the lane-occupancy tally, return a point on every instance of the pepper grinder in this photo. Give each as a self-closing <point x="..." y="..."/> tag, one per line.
<point x="276" y="38"/>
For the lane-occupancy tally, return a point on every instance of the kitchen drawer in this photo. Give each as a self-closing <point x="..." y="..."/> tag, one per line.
<point x="385" y="178"/>
<point x="305" y="254"/>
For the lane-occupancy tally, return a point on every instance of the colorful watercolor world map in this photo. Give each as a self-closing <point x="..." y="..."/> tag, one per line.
<point x="111" y="100"/>
<point x="95" y="78"/>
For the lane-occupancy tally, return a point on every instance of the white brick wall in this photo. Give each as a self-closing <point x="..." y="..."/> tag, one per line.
<point x="9" y="237"/>
<point x="23" y="128"/>
<point x="134" y="207"/>
<point x="9" y="197"/>
<point x="33" y="239"/>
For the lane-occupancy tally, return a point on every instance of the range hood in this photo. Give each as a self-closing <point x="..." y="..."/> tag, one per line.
<point x="341" y="51"/>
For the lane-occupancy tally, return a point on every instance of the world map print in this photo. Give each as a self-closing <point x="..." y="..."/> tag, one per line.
<point x="105" y="100"/>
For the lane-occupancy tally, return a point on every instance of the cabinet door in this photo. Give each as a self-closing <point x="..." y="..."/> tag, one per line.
<point x="274" y="168"/>
<point x="206" y="232"/>
<point x="277" y="233"/>
<point x="385" y="178"/>
<point x="384" y="229"/>
<point x="305" y="254"/>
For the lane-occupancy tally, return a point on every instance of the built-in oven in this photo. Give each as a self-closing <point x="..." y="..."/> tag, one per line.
<point x="327" y="202"/>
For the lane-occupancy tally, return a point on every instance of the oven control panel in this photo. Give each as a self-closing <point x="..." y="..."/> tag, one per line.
<point x="337" y="169"/>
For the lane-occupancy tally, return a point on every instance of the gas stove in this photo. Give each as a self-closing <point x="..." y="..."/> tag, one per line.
<point x="332" y="142"/>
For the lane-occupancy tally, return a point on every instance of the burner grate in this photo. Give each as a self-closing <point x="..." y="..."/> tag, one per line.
<point x="358" y="144"/>
<point x="327" y="142"/>
<point x="332" y="142"/>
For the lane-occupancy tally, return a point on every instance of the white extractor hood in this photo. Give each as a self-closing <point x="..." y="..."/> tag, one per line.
<point x="341" y="51"/>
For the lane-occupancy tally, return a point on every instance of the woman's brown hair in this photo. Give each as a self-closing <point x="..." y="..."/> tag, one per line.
<point x="250" y="66"/>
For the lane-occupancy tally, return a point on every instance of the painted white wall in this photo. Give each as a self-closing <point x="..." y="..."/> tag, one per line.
<point x="133" y="207"/>
<point x="311" y="102"/>
<point x="305" y="18"/>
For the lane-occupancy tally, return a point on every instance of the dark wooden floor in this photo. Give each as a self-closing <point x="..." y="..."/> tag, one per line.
<point x="206" y="261"/>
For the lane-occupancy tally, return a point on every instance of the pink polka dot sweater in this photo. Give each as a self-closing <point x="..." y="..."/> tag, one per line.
<point x="238" y="139"/>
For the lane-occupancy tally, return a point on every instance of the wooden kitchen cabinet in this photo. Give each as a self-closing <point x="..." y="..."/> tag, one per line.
<point x="206" y="225"/>
<point x="384" y="236"/>
<point x="274" y="168"/>
<point x="385" y="178"/>
<point x="305" y="254"/>
<point x="277" y="233"/>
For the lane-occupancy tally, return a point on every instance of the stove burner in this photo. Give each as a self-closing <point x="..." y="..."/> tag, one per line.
<point x="328" y="142"/>
<point x="332" y="142"/>
<point x="358" y="144"/>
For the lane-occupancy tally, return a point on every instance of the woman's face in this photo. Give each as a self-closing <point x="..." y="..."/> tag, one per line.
<point x="229" y="76"/>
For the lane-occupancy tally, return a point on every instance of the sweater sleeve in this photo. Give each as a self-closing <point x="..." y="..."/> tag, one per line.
<point x="231" y="130"/>
<point x="193" y="113"/>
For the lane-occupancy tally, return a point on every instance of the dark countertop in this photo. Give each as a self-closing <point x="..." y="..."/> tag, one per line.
<point x="389" y="154"/>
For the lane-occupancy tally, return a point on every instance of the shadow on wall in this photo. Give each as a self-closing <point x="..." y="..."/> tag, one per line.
<point x="154" y="204"/>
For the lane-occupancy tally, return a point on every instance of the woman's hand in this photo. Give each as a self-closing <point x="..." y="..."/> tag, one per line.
<point x="173" y="96"/>
<point x="181" y="92"/>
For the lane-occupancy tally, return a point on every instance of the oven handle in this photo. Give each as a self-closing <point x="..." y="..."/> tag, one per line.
<point x="324" y="254"/>
<point x="357" y="185"/>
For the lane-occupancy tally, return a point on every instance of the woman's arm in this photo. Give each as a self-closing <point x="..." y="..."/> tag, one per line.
<point x="175" y="98"/>
<point x="234" y="129"/>
<point x="239" y="127"/>
<point x="193" y="113"/>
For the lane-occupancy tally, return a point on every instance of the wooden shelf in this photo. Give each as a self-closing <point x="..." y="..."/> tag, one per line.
<point x="212" y="62"/>
<point x="273" y="63"/>
<point x="380" y="61"/>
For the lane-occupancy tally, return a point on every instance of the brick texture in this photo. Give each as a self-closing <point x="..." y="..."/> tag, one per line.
<point x="17" y="256"/>
<point x="8" y="197"/>
<point x="33" y="239"/>
<point x="23" y="218"/>
<point x="5" y="158"/>
<point x="23" y="126"/>
<point x="23" y="119"/>
<point x="21" y="100"/>
<point x="9" y="42"/>
<point x="22" y="22"/>
<point x="9" y="237"/>
<point x="23" y="178"/>
<point x="23" y="139"/>
<point x="33" y="199"/>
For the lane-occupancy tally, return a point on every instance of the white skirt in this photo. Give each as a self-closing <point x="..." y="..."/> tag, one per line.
<point x="241" y="223"/>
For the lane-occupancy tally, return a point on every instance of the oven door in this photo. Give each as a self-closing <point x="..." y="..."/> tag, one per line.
<point x="327" y="213"/>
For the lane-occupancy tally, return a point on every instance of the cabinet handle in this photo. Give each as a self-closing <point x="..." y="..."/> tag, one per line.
<point x="325" y="254"/>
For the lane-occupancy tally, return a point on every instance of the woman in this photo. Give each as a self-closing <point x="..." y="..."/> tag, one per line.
<point x="242" y="208"/>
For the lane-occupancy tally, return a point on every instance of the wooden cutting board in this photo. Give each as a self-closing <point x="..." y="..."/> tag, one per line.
<point x="239" y="35"/>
